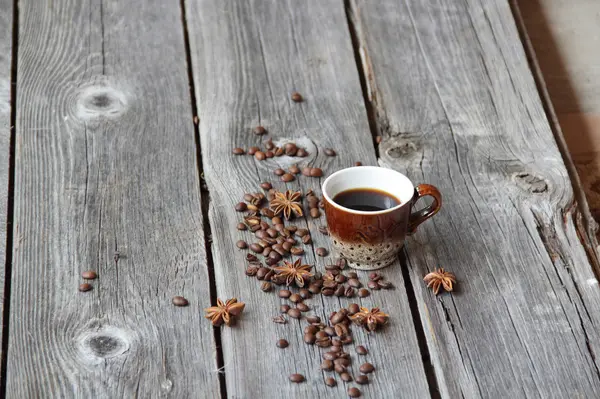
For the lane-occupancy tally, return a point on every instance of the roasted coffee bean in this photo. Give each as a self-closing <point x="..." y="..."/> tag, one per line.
<point x="269" y="154"/>
<point x="329" y="152"/>
<point x="342" y="360"/>
<point x="270" y="275"/>
<point x="378" y="139"/>
<point x="282" y="343"/>
<point x="241" y="244"/>
<point x="252" y="208"/>
<point x="373" y="285"/>
<point x="354" y="392"/>
<point x="347" y="340"/>
<point x="304" y="293"/>
<point x="266" y="286"/>
<point x="279" y="172"/>
<point x="337" y="317"/>
<point x="241" y="207"/>
<point x="256" y="247"/>
<point x="294" y="313"/>
<point x="330" y="382"/>
<point x="269" y="144"/>
<point x="306" y="171"/>
<point x="340" y="278"/>
<point x="346" y="377"/>
<point x="323" y="342"/>
<point x="363" y="293"/>
<point x="309" y="338"/>
<point x="290" y="240"/>
<point x="324" y="230"/>
<point x="267" y="213"/>
<point x="327" y="291"/>
<point x="238" y="151"/>
<point x="313" y="202"/>
<point x="386" y="285"/>
<point x="287" y="177"/>
<point x="354" y="282"/>
<point x="301" y="153"/>
<point x="272" y="232"/>
<point x="311" y="329"/>
<point x="374" y="276"/>
<point x="292" y="229"/>
<point x="357" y="163"/>
<point x="294" y="169"/>
<point x="331" y="267"/>
<point x="302" y="307"/>
<point x="290" y="149"/>
<point x="277" y="220"/>
<point x="327" y="364"/>
<point x="251" y="271"/>
<point x="252" y="150"/>
<point x="241" y="226"/>
<point x="266" y="251"/>
<point x="260" y="130"/>
<point x="366" y="368"/>
<point x="341" y="262"/>
<point x="284" y="308"/>
<point x="279" y="319"/>
<point x="352" y="275"/>
<point x="297" y="97"/>
<point x="313" y="319"/>
<point x="275" y="256"/>
<point x="180" y="301"/>
<point x="279" y="249"/>
<point x="315" y="213"/>
<point x="295" y="298"/>
<point x="353" y="309"/>
<point x="307" y="240"/>
<point x="362" y="379"/>
<point x="316" y="172"/>
<point x="296" y="251"/>
<point x="340" y="290"/>
<point x="262" y="272"/>
<point x="330" y="356"/>
<point x="297" y="378"/>
<point x="314" y="289"/>
<point x="264" y="225"/>
<point x="89" y="275"/>
<point x="284" y="293"/>
<point x="339" y="368"/>
<point x="321" y="334"/>
<point x="349" y="292"/>
<point x="271" y="261"/>
<point x="361" y="350"/>
<point x="260" y="156"/>
<point x="278" y="151"/>
<point x="287" y="246"/>
<point x="85" y="287"/>
<point x="330" y="331"/>
<point x="341" y="330"/>
<point x="266" y="185"/>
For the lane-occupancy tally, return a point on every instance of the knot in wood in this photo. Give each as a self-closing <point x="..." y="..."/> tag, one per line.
<point x="531" y="183"/>
<point x="100" y="101"/>
<point x="402" y="149"/>
<point x="106" y="343"/>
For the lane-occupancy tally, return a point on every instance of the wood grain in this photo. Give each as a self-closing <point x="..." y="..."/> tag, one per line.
<point x="458" y="108"/>
<point x="247" y="58"/>
<point x="106" y="179"/>
<point x="6" y="25"/>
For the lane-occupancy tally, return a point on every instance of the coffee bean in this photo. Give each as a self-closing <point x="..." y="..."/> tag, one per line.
<point x="287" y="177"/>
<point x="327" y="364"/>
<point x="251" y="271"/>
<point x="85" y="287"/>
<point x="336" y="341"/>
<point x="337" y="317"/>
<point x="347" y="340"/>
<point x="275" y="256"/>
<point x="269" y="154"/>
<point x="316" y="172"/>
<point x="341" y="330"/>
<point x="262" y="272"/>
<point x="374" y="276"/>
<point x="279" y="172"/>
<point x="354" y="392"/>
<point x="296" y="251"/>
<point x="321" y="251"/>
<point x="324" y="230"/>
<point x="180" y="301"/>
<point x="282" y="343"/>
<point x="277" y="220"/>
<point x="278" y="151"/>
<point x="353" y="308"/>
<point x="330" y="356"/>
<point x="386" y="285"/>
<point x="294" y="313"/>
<point x="340" y="278"/>
<point x="321" y="334"/>
<point x="269" y="144"/>
<point x="297" y="97"/>
<point x="363" y="293"/>
<point x="260" y="156"/>
<point x="340" y="291"/>
<point x="295" y="298"/>
<point x="302" y="307"/>
<point x="342" y="360"/>
<point x="241" y="226"/>
<point x="351" y="275"/>
<point x="89" y="275"/>
<point x="330" y="331"/>
<point x="241" y="244"/>
<point x="260" y="130"/>
<point x="357" y="163"/>
<point x="361" y="350"/>
<point x="290" y="149"/>
<point x="329" y="152"/>
<point x="241" y="207"/>
<point x="256" y="247"/>
<point x="306" y="171"/>
<point x="304" y="293"/>
<point x="362" y="379"/>
<point x="354" y="282"/>
<point x="341" y="263"/>
<point x="308" y="240"/>
<point x="266" y="286"/>
<point x="366" y="368"/>
<point x="284" y="308"/>
<point x="313" y="319"/>
<point x="346" y="377"/>
<point x="373" y="285"/>
<point x="327" y="291"/>
<point x="252" y="150"/>
<point x="340" y="368"/>
<point x="311" y="329"/>
<point x="284" y="293"/>
<point x="378" y="139"/>
<point x="301" y="153"/>
<point x="287" y="246"/>
<point x="238" y="151"/>
<point x="323" y="342"/>
<point x="330" y="382"/>
<point x="294" y="169"/>
<point x="297" y="378"/>
<point x="251" y="257"/>
<point x="266" y="185"/>
<point x="309" y="338"/>
<point x="315" y="213"/>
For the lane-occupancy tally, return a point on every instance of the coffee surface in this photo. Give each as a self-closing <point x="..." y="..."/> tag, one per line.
<point x="366" y="199"/>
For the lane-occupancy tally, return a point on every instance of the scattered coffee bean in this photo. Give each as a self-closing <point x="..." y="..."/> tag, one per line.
<point x="306" y="171"/>
<point x="251" y="258"/>
<point x="354" y="282"/>
<point x="308" y="240"/>
<point x="366" y="368"/>
<point x="330" y="152"/>
<point x="287" y="177"/>
<point x="241" y="226"/>
<point x="353" y="309"/>
<point x="315" y="213"/>
<point x="316" y="172"/>
<point x="278" y="151"/>
<point x="284" y="308"/>
<point x="361" y="350"/>
<point x="302" y="307"/>
<point x="354" y="392"/>
<point x="351" y="275"/>
<point x="269" y="154"/>
<point x="330" y="356"/>
<point x="323" y="342"/>
<point x="330" y="331"/>
<point x="241" y="244"/>
<point x="256" y="247"/>
<point x="241" y="207"/>
<point x="297" y="97"/>
<point x="357" y="163"/>
<point x="260" y="156"/>
<point x="179" y="301"/>
<point x="296" y="251"/>
<point x="347" y="340"/>
<point x="251" y="271"/>
<point x="301" y="153"/>
<point x="309" y="338"/>
<point x="85" y="287"/>
<point x="374" y="276"/>
<point x="279" y="172"/>
<point x="386" y="285"/>
<point x="269" y="144"/>
<point x="378" y="139"/>
<point x="262" y="272"/>
<point x="373" y="285"/>
<point x="294" y="169"/>
<point x="290" y="149"/>
<point x="340" y="291"/>
<point x="340" y="368"/>
<point x="284" y="293"/>
<point x="266" y="286"/>
<point x="297" y="378"/>
<point x="330" y="382"/>
<point x="327" y="365"/>
<point x="260" y="130"/>
<point x="346" y="377"/>
<point x="313" y="319"/>
<point x="294" y="313"/>
<point x="363" y="293"/>
<point x="321" y="334"/>
<point x="282" y="343"/>
<point x="304" y="293"/>
<point x="277" y="220"/>
<point x="362" y="379"/>
<point x="349" y="293"/>
<point x="266" y="185"/>
<point x="89" y="275"/>
<point x="279" y="319"/>
<point x="341" y="263"/>
<point x="238" y="151"/>
<point x="340" y="278"/>
<point x="327" y="291"/>
<point x="321" y="251"/>
<point x="324" y="230"/>
<point x="252" y="150"/>
<point x="295" y="298"/>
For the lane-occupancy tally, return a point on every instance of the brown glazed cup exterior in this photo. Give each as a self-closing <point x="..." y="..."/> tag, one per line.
<point x="372" y="240"/>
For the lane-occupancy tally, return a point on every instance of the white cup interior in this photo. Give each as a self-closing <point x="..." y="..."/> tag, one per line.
<point x="373" y="177"/>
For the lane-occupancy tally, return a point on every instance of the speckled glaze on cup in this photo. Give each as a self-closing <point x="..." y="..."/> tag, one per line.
<point x="372" y="240"/>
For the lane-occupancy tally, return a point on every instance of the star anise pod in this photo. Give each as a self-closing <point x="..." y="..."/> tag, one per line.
<point x="294" y="272"/>
<point x="370" y="319"/>
<point x="224" y="312"/>
<point x="438" y="278"/>
<point x="287" y="203"/>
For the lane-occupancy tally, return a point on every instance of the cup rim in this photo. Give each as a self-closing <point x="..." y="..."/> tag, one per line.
<point x="356" y="212"/>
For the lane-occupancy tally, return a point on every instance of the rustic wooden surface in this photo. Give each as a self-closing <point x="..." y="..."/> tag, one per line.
<point x="106" y="163"/>
<point x="463" y="113"/>
<point x="248" y="57"/>
<point x="6" y="15"/>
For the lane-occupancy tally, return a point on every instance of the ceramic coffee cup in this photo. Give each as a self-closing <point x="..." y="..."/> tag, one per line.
<point x="370" y="240"/>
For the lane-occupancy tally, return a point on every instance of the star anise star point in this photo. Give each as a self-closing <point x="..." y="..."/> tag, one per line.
<point x="287" y="203"/>
<point x="294" y="272"/>
<point x="224" y="312"/>
<point x="370" y="319"/>
<point x="440" y="278"/>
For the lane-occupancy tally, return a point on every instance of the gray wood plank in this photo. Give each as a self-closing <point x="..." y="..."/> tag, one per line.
<point x="458" y="107"/>
<point x="6" y="25"/>
<point x="247" y="58"/>
<point x="106" y="163"/>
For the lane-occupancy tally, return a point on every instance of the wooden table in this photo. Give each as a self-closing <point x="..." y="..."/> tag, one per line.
<point x="103" y="168"/>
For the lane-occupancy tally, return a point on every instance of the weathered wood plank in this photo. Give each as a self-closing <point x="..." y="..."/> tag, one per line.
<point x="106" y="163"/>
<point x="6" y="26"/>
<point x="248" y="57"/>
<point x="458" y="107"/>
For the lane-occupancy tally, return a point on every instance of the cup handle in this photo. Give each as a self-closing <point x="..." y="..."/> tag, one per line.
<point x="416" y="218"/>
